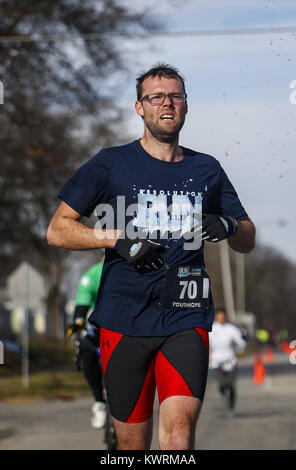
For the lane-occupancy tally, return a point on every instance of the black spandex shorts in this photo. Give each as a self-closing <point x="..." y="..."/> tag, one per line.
<point x="134" y="367"/>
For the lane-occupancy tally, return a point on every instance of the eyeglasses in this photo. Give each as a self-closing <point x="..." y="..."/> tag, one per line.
<point x="157" y="99"/>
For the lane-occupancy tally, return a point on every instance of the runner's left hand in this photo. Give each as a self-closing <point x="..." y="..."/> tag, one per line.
<point x="217" y="227"/>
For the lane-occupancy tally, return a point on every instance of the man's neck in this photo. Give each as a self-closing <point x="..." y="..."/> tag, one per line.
<point x="167" y="151"/>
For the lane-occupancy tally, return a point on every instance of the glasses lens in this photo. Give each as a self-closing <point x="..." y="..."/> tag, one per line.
<point x="177" y="97"/>
<point x="157" y="98"/>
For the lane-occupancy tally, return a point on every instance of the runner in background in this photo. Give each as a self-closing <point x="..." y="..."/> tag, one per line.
<point x="90" y="340"/>
<point x="225" y="339"/>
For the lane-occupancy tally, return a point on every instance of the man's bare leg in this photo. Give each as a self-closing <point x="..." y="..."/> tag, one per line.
<point x="133" y="436"/>
<point x="177" y="422"/>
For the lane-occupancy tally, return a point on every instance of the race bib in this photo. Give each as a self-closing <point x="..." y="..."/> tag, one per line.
<point x="186" y="287"/>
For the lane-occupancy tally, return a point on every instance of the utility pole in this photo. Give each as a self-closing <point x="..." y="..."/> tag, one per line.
<point x="227" y="280"/>
<point x="240" y="295"/>
<point x="25" y="329"/>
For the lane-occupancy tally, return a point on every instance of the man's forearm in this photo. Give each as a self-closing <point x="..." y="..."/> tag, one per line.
<point x="74" y="235"/>
<point x="244" y="240"/>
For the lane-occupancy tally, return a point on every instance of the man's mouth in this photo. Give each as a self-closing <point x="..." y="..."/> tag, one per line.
<point x="167" y="117"/>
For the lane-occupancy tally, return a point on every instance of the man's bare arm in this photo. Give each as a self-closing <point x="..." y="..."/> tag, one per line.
<point x="66" y="231"/>
<point x="244" y="239"/>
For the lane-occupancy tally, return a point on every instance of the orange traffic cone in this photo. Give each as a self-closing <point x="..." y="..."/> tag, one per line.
<point x="268" y="356"/>
<point x="259" y="370"/>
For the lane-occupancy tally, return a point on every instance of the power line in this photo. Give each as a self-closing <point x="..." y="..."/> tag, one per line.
<point x="147" y="35"/>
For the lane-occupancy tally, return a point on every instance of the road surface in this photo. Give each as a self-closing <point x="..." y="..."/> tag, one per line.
<point x="265" y="419"/>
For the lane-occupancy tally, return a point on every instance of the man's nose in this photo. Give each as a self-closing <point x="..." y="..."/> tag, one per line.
<point x="167" y="100"/>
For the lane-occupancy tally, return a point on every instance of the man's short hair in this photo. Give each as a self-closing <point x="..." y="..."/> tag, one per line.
<point x="159" y="70"/>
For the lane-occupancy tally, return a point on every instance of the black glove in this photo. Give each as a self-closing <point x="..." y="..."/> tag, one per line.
<point x="218" y="227"/>
<point x="140" y="253"/>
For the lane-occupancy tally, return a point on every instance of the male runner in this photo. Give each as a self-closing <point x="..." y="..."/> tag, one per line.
<point x="225" y="340"/>
<point x="154" y="305"/>
<point x="90" y="340"/>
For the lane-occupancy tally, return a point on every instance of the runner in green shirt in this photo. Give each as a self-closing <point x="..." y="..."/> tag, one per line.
<point x="90" y="340"/>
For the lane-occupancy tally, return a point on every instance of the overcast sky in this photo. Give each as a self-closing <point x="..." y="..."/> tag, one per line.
<point x="239" y="99"/>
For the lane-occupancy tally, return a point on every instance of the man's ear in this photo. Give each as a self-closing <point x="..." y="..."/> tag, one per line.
<point x="139" y="108"/>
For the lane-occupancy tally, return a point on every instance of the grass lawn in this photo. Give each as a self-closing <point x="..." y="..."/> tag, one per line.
<point x="53" y="374"/>
<point x="44" y="385"/>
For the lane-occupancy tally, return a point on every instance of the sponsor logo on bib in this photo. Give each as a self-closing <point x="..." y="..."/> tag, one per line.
<point x="183" y="272"/>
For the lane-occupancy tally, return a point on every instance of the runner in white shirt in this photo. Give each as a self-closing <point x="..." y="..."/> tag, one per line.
<point x="225" y="340"/>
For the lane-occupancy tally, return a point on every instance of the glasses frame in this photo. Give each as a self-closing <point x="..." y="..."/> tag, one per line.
<point x="170" y="95"/>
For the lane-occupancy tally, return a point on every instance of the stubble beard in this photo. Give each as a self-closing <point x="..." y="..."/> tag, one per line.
<point x="161" y="134"/>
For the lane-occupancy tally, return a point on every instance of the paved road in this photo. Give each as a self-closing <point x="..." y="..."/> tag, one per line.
<point x="265" y="417"/>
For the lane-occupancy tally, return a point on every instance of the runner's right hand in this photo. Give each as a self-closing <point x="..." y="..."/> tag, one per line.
<point x="140" y="253"/>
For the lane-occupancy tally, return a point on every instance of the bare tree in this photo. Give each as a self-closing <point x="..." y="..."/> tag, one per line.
<point x="55" y="61"/>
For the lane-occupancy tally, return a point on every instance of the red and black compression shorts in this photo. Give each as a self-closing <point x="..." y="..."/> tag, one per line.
<point x="134" y="367"/>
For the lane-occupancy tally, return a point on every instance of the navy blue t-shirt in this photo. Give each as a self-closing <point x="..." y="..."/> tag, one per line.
<point x="126" y="186"/>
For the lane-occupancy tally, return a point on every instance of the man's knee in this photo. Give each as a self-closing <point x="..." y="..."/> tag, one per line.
<point x="133" y="436"/>
<point x="178" y="437"/>
<point x="177" y="425"/>
<point x="126" y="442"/>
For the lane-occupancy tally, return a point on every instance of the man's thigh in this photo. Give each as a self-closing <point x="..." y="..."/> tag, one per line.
<point x="181" y="370"/>
<point x="134" y="436"/>
<point x="128" y="367"/>
<point x="132" y="367"/>
<point x="181" y="366"/>
<point x="178" y="414"/>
